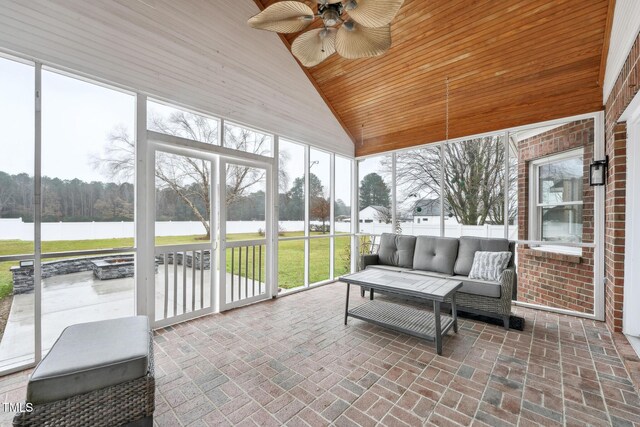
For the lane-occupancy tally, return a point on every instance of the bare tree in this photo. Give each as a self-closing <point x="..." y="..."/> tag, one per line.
<point x="189" y="178"/>
<point x="474" y="184"/>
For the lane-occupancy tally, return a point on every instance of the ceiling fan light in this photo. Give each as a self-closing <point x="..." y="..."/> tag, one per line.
<point x="350" y="5"/>
<point x="330" y="17"/>
<point x="349" y="25"/>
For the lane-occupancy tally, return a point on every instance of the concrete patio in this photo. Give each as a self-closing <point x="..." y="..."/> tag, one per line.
<point x="291" y="361"/>
<point x="80" y="297"/>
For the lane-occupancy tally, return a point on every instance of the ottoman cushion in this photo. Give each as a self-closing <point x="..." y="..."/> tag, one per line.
<point x="91" y="356"/>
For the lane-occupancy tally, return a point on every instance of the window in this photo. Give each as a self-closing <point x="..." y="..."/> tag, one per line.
<point x="174" y="121"/>
<point x="557" y="194"/>
<point x="244" y="139"/>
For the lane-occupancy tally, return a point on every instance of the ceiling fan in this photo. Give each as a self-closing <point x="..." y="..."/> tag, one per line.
<point x="352" y="28"/>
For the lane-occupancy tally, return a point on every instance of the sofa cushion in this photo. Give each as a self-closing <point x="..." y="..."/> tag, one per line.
<point x="388" y="268"/>
<point x="436" y="254"/>
<point x="91" y="356"/>
<point x="468" y="248"/>
<point x="396" y="250"/>
<point x="484" y="288"/>
<point x="489" y="265"/>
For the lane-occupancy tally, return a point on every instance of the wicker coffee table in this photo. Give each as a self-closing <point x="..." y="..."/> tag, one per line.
<point x="404" y="318"/>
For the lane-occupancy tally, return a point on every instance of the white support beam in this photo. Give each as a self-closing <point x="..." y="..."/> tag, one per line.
<point x="144" y="213"/>
<point x="332" y="214"/>
<point x="355" y="210"/>
<point x="275" y="226"/>
<point x="307" y="252"/>
<point x="599" y="153"/>
<point x="442" y="192"/>
<point x="37" y="214"/>
<point x="394" y="197"/>
<point x="507" y="181"/>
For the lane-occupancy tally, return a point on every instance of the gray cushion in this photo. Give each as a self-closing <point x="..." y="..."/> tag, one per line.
<point x="468" y="248"/>
<point x="396" y="249"/>
<point x="479" y="287"/>
<point x="489" y="265"/>
<point x="435" y="254"/>
<point x="389" y="268"/>
<point x="368" y="259"/>
<point x="91" y="356"/>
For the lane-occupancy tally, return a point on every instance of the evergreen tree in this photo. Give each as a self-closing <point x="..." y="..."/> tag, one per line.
<point x="374" y="191"/>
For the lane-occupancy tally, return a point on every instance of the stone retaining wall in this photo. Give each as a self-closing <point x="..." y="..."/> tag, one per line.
<point x="23" y="276"/>
<point x="180" y="257"/>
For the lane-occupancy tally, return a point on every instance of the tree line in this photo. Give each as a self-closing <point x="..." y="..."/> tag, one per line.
<point x="80" y="201"/>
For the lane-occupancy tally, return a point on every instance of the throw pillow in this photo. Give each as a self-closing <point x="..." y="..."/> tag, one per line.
<point x="489" y="265"/>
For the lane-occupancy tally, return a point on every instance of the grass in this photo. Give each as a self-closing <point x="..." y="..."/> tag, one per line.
<point x="290" y="255"/>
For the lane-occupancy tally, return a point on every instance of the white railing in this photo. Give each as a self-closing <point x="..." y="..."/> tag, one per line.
<point x="183" y="279"/>
<point x="246" y="265"/>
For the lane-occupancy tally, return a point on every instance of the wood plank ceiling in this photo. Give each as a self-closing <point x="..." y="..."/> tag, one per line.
<point x="509" y="63"/>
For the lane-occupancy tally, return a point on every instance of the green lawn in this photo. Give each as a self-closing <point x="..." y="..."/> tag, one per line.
<point x="290" y="256"/>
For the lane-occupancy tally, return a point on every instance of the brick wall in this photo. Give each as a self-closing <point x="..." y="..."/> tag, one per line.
<point x="552" y="279"/>
<point x="625" y="88"/>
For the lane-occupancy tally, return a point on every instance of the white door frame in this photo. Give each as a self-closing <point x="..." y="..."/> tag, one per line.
<point x="154" y="147"/>
<point x="630" y="313"/>
<point x="224" y="245"/>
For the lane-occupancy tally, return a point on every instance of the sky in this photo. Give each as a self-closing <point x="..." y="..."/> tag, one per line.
<point x="77" y="118"/>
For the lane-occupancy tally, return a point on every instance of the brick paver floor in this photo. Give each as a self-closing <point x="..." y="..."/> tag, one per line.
<point x="291" y="361"/>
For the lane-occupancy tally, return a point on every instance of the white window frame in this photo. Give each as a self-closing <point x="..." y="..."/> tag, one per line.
<point x="535" y="206"/>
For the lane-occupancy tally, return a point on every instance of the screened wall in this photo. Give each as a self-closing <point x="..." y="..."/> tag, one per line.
<point x="529" y="185"/>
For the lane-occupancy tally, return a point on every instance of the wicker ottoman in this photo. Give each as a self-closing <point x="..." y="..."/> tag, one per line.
<point x="96" y="374"/>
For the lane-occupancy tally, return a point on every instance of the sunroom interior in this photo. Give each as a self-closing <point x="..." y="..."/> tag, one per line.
<point x="167" y="160"/>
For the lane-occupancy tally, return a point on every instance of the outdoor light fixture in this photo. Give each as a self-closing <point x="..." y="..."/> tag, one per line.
<point x="597" y="172"/>
<point x="26" y="263"/>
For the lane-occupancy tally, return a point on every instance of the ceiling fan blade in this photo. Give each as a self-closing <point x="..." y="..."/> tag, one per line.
<point x="283" y="17"/>
<point x="355" y="41"/>
<point x="373" y="13"/>
<point x="314" y="46"/>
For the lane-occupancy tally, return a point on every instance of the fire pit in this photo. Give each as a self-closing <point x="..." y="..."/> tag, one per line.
<point x="114" y="268"/>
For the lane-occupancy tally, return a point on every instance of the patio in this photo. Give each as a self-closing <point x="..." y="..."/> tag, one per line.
<point x="305" y="366"/>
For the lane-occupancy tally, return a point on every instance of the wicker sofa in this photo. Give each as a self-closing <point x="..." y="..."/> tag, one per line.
<point x="450" y="258"/>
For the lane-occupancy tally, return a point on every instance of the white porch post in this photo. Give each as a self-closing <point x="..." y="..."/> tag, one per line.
<point x="144" y="214"/>
<point x="37" y="215"/>
<point x="598" y="221"/>
<point x="355" y="209"/>
<point x="332" y="215"/>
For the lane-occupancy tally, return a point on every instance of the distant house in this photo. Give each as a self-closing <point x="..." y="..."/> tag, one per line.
<point x="427" y="211"/>
<point x="375" y="214"/>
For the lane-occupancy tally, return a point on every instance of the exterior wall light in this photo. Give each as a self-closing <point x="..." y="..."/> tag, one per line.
<point x="598" y="171"/>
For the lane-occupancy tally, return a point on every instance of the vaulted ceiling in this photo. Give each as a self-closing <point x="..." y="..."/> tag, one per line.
<point x="509" y="63"/>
